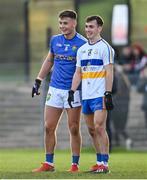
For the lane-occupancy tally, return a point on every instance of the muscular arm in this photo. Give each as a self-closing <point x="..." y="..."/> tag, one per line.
<point x="46" y="66"/>
<point x="76" y="79"/>
<point x="109" y="77"/>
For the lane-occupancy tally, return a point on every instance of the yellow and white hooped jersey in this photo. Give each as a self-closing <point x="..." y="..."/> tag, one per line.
<point x="92" y="58"/>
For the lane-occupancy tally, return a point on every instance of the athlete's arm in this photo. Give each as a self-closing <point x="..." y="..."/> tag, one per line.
<point x="46" y="66"/>
<point x="75" y="83"/>
<point x="109" y="77"/>
<point x="45" y="69"/>
<point x="108" y="86"/>
<point x="76" y="79"/>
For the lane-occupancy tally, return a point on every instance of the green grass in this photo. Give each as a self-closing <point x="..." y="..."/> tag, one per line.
<point x="18" y="163"/>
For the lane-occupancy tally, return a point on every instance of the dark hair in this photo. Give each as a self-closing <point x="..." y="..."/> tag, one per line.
<point x="98" y="19"/>
<point x="68" y="13"/>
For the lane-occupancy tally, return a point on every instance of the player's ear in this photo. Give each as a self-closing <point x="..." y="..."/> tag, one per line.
<point x="74" y="23"/>
<point x="100" y="28"/>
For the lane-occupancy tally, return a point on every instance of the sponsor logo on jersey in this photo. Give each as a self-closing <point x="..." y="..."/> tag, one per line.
<point x="63" y="57"/>
<point x="89" y="68"/>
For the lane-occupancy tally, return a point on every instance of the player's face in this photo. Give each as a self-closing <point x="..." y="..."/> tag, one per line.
<point x="67" y="25"/>
<point x="92" y="29"/>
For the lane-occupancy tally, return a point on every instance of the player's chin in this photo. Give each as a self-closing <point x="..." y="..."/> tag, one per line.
<point x="88" y="36"/>
<point x="64" y="32"/>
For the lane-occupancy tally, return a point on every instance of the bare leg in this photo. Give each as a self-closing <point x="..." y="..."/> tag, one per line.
<point x="52" y="116"/>
<point x="74" y="128"/>
<point x="100" y="127"/>
<point x="90" y="124"/>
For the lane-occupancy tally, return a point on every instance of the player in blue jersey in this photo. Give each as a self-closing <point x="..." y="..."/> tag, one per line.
<point x="62" y="54"/>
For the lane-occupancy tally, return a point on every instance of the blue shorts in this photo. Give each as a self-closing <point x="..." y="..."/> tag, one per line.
<point x="89" y="106"/>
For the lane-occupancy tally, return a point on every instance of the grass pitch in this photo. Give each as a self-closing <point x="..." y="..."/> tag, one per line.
<point x="18" y="163"/>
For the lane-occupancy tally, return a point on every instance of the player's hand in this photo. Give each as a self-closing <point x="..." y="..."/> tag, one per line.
<point x="70" y="97"/>
<point x="35" y="89"/>
<point x="108" y="100"/>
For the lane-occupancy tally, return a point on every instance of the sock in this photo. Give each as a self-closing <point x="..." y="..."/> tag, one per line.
<point x="50" y="158"/>
<point x="75" y="159"/>
<point x="99" y="157"/>
<point x="105" y="158"/>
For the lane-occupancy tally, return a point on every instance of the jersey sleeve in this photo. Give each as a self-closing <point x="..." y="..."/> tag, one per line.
<point x="78" y="64"/>
<point x="108" y="55"/>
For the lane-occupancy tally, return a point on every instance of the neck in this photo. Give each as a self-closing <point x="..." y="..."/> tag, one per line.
<point x="95" y="39"/>
<point x="71" y="35"/>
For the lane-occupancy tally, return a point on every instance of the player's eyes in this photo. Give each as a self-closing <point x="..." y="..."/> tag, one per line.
<point x="63" y="23"/>
<point x="90" y="26"/>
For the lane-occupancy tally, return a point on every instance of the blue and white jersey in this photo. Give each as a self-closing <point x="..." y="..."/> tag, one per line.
<point x="92" y="59"/>
<point x="64" y="51"/>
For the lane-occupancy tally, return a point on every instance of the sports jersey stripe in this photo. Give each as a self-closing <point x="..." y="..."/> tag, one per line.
<point x="85" y="62"/>
<point x="111" y="56"/>
<point x="81" y="37"/>
<point x="100" y="74"/>
<point x="110" y="52"/>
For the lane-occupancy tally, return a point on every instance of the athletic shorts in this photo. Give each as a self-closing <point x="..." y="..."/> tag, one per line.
<point x="58" y="98"/>
<point x="89" y="106"/>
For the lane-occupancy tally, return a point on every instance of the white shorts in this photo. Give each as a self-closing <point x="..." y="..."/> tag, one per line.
<point x="58" y="98"/>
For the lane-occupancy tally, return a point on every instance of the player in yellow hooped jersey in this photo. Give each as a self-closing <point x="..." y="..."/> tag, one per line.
<point x="92" y="59"/>
<point x="95" y="70"/>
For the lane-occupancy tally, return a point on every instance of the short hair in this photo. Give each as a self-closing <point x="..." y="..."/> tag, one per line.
<point x="68" y="13"/>
<point x="98" y="19"/>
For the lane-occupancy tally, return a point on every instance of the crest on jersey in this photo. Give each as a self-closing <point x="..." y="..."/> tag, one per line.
<point x="95" y="51"/>
<point x="74" y="48"/>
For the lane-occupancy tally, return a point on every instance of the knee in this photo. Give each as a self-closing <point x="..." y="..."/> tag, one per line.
<point x="74" y="130"/>
<point x="49" y="129"/>
<point x="91" y="132"/>
<point x="100" y="130"/>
